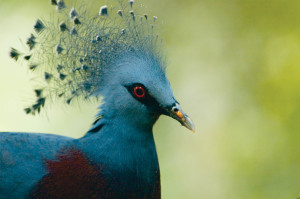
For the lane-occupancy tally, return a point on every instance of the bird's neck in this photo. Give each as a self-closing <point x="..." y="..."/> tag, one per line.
<point x="120" y="142"/>
<point x="118" y="136"/>
<point x="126" y="153"/>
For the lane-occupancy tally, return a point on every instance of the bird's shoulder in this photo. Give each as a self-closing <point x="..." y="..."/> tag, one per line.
<point x="24" y="147"/>
<point x="22" y="156"/>
<point x="17" y="138"/>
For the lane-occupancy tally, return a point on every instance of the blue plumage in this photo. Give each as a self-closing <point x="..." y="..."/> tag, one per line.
<point x="114" y="54"/>
<point x="21" y="160"/>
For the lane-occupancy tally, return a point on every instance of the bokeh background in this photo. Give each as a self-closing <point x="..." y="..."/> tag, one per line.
<point x="235" y="67"/>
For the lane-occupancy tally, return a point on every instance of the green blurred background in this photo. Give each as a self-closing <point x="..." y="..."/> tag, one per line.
<point x="233" y="65"/>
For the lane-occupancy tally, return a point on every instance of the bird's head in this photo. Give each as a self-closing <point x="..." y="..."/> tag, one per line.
<point x="137" y="88"/>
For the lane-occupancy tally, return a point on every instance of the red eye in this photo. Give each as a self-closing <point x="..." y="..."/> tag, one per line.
<point x="139" y="91"/>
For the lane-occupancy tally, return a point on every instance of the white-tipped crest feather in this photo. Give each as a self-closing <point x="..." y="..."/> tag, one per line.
<point x="72" y="53"/>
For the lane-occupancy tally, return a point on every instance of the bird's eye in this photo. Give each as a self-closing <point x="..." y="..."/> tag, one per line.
<point x="139" y="91"/>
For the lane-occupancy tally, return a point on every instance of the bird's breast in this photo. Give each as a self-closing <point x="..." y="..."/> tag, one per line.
<point x="73" y="174"/>
<point x="133" y="172"/>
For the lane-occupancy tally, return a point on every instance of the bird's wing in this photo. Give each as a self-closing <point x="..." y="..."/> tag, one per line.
<point x="22" y="157"/>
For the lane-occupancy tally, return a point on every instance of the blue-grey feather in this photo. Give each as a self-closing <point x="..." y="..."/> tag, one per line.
<point x="22" y="157"/>
<point x="95" y="42"/>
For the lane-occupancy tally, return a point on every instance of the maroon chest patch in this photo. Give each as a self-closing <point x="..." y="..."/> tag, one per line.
<point x="72" y="176"/>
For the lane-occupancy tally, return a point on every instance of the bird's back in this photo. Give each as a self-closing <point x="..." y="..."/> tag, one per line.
<point x="22" y="156"/>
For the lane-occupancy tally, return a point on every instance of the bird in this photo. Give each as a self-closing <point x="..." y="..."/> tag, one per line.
<point x="115" y="57"/>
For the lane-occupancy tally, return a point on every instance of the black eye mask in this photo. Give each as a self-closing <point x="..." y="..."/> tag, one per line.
<point x="141" y="94"/>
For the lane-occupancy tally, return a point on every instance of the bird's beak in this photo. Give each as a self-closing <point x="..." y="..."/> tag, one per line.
<point x="177" y="113"/>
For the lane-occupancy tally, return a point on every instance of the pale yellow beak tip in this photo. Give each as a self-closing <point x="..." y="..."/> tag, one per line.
<point x="189" y="124"/>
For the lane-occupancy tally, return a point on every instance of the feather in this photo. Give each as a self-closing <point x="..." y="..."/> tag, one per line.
<point x="58" y="49"/>
<point x="14" y="54"/>
<point x="38" y="26"/>
<point x="92" y="46"/>
<point x="27" y="57"/>
<point x="32" y="66"/>
<point x="73" y="13"/>
<point x="53" y="2"/>
<point x="103" y="10"/>
<point x="73" y="31"/>
<point x="63" y="26"/>
<point x="31" y="42"/>
<point x="76" y="21"/>
<point x="62" y="76"/>
<point x="38" y="92"/>
<point x="60" y="5"/>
